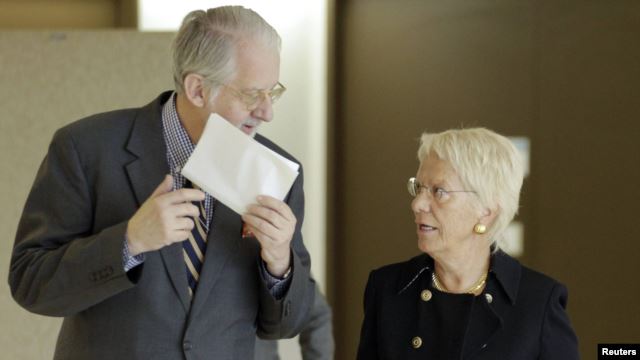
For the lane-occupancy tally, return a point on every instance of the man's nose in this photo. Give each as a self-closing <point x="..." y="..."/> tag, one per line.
<point x="264" y="111"/>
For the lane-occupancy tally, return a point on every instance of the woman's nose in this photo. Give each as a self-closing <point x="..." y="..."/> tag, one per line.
<point x="421" y="202"/>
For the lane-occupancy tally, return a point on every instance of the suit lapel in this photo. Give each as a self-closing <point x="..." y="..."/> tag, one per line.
<point x="222" y="242"/>
<point x="146" y="172"/>
<point x="486" y="322"/>
<point x="489" y="316"/>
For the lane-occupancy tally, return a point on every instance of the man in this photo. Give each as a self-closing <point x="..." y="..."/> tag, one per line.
<point x="316" y="337"/>
<point x="140" y="264"/>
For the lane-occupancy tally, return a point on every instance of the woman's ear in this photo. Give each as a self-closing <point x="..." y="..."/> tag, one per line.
<point x="488" y="216"/>
<point x="194" y="90"/>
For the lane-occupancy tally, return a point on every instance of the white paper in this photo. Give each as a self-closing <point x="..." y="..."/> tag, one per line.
<point x="235" y="169"/>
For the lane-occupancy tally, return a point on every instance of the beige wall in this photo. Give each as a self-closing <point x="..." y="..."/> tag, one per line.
<point x="565" y="74"/>
<point x="67" y="14"/>
<point x="50" y="79"/>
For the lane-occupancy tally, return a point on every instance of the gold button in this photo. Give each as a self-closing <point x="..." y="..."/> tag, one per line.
<point x="425" y="295"/>
<point x="416" y="342"/>
<point x="489" y="298"/>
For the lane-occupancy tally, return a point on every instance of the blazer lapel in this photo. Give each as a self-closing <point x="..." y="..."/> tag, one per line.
<point x="490" y="311"/>
<point x="486" y="322"/>
<point x="222" y="242"/>
<point x="146" y="172"/>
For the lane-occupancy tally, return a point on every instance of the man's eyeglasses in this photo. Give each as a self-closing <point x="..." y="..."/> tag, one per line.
<point x="439" y="194"/>
<point x="252" y="98"/>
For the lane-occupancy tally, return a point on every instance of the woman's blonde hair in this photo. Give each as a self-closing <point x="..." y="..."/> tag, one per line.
<point x="487" y="163"/>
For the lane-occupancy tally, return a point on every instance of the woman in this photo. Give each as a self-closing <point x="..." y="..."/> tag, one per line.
<point x="464" y="298"/>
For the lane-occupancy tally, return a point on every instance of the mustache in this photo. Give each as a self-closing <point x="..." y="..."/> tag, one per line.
<point x="251" y="122"/>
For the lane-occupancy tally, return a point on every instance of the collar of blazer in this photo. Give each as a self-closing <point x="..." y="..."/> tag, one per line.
<point x="505" y="269"/>
<point x="146" y="143"/>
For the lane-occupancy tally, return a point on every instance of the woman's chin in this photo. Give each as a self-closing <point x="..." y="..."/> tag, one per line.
<point x="427" y="245"/>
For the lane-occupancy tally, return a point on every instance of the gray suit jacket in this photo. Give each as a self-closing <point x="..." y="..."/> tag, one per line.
<point x="67" y="259"/>
<point x="316" y="337"/>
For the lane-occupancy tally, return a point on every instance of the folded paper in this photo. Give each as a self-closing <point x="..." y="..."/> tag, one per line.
<point x="234" y="168"/>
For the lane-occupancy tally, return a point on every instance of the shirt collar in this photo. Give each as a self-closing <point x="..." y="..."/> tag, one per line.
<point x="179" y="145"/>
<point x="179" y="148"/>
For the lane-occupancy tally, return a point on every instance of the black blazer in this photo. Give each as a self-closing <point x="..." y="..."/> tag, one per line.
<point x="520" y="315"/>
<point x="67" y="260"/>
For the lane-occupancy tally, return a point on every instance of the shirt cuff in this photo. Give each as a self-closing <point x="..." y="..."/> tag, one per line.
<point x="129" y="261"/>
<point x="278" y="287"/>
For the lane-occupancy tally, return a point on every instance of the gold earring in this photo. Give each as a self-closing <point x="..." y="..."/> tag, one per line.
<point x="479" y="229"/>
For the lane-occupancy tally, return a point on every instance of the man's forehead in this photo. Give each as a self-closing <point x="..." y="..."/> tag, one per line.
<point x="253" y="90"/>
<point x="256" y="81"/>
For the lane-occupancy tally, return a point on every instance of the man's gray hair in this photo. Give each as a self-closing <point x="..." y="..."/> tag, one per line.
<point x="207" y="40"/>
<point x="487" y="163"/>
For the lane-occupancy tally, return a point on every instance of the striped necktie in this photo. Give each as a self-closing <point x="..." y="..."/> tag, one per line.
<point x="195" y="246"/>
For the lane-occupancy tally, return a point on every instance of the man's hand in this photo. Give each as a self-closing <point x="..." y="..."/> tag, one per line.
<point x="273" y="223"/>
<point x="166" y="217"/>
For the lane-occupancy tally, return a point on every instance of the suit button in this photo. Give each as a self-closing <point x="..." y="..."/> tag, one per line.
<point x="187" y="345"/>
<point x="416" y="342"/>
<point x="426" y="295"/>
<point x="489" y="298"/>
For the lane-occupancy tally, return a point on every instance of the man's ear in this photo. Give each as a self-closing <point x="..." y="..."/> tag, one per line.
<point x="194" y="90"/>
